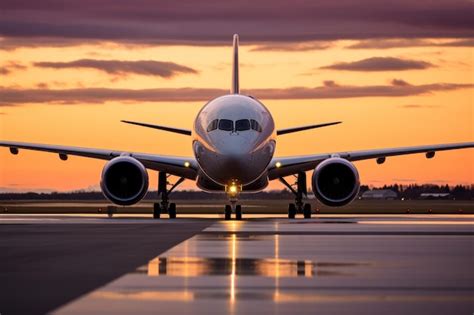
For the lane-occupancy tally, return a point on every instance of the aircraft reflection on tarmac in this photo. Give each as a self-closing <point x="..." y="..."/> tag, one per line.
<point x="189" y="266"/>
<point x="181" y="264"/>
<point x="196" y="266"/>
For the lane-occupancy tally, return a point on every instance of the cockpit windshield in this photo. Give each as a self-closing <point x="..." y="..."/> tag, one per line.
<point x="228" y="125"/>
<point x="212" y="125"/>
<point x="255" y="125"/>
<point x="242" y="125"/>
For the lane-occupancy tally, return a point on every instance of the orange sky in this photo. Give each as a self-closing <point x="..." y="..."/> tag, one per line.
<point x="434" y="116"/>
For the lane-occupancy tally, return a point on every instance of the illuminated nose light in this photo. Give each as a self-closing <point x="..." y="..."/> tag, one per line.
<point x="233" y="189"/>
<point x="278" y="164"/>
<point x="187" y="164"/>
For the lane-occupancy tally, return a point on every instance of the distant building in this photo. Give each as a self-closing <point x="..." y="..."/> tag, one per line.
<point x="435" y="196"/>
<point x="385" y="194"/>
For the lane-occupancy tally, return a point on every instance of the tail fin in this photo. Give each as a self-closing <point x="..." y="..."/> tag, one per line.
<point x="234" y="89"/>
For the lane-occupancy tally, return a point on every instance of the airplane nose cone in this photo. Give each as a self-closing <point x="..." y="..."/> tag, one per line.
<point x="235" y="164"/>
<point x="235" y="158"/>
<point x="234" y="146"/>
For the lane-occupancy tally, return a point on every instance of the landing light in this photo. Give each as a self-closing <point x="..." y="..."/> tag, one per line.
<point x="186" y="164"/>
<point x="278" y="164"/>
<point x="233" y="189"/>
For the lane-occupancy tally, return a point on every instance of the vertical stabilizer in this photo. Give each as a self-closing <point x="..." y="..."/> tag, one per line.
<point x="234" y="89"/>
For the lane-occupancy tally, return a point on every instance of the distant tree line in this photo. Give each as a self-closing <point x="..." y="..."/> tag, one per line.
<point x="413" y="191"/>
<point x="151" y="195"/>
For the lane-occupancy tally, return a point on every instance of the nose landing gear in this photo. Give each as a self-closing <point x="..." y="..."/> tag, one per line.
<point x="233" y="191"/>
<point x="300" y="192"/>
<point x="233" y="207"/>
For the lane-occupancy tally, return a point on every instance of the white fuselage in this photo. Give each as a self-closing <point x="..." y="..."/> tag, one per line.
<point x="234" y="139"/>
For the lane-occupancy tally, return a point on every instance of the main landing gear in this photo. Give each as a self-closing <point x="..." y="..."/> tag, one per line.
<point x="164" y="206"/>
<point x="300" y="191"/>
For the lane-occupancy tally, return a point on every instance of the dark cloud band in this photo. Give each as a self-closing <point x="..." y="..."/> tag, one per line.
<point x="119" y="67"/>
<point x="212" y="22"/>
<point x="380" y="64"/>
<point x="330" y="90"/>
<point x="409" y="42"/>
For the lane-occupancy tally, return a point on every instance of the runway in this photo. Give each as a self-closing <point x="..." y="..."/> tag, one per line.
<point x="391" y="264"/>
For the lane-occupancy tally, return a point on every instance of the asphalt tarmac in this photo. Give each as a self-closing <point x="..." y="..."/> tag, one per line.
<point x="366" y="264"/>
<point x="44" y="265"/>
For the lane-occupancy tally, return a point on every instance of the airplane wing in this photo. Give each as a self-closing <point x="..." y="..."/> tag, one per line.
<point x="285" y="166"/>
<point x="174" y="165"/>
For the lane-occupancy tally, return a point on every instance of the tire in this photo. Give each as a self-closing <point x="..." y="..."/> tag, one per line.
<point x="227" y="212"/>
<point x="238" y="212"/>
<point x="156" y="210"/>
<point x="291" y="211"/>
<point x="307" y="211"/>
<point x="172" y="210"/>
<point x="111" y="210"/>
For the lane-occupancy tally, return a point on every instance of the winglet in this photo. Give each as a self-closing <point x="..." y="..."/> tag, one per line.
<point x="234" y="89"/>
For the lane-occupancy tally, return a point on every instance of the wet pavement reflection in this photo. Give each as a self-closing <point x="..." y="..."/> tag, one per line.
<point x="195" y="267"/>
<point x="221" y="271"/>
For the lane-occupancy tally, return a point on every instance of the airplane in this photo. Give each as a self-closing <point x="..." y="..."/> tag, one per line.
<point x="233" y="141"/>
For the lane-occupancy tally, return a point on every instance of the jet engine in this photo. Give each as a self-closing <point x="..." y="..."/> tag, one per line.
<point x="124" y="180"/>
<point x="335" y="182"/>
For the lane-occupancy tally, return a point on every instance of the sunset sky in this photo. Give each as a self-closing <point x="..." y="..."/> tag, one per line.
<point x="397" y="73"/>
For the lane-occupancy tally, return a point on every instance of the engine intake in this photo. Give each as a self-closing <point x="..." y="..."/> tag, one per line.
<point x="124" y="180"/>
<point x="335" y="182"/>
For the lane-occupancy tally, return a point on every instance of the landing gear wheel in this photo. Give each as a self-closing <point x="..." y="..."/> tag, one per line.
<point x="307" y="211"/>
<point x="227" y="212"/>
<point x="238" y="212"/>
<point x="291" y="211"/>
<point x="111" y="210"/>
<point x="156" y="210"/>
<point x="172" y="210"/>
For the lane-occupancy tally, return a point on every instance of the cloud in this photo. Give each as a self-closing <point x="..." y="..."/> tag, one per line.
<point x="458" y="43"/>
<point x="330" y="83"/>
<point x="213" y="22"/>
<point x="380" y="64"/>
<point x="12" y="43"/>
<point x="302" y="46"/>
<point x="409" y="42"/>
<point x="121" y="68"/>
<point x="399" y="82"/>
<point x="417" y="106"/>
<point x="11" y="66"/>
<point x="42" y="85"/>
<point x="330" y="90"/>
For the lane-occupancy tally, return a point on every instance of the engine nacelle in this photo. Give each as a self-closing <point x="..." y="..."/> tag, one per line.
<point x="124" y="180"/>
<point x="335" y="182"/>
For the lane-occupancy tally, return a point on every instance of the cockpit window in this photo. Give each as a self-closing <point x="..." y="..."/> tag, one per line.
<point x="226" y="125"/>
<point x="255" y="125"/>
<point x="242" y="125"/>
<point x="212" y="125"/>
